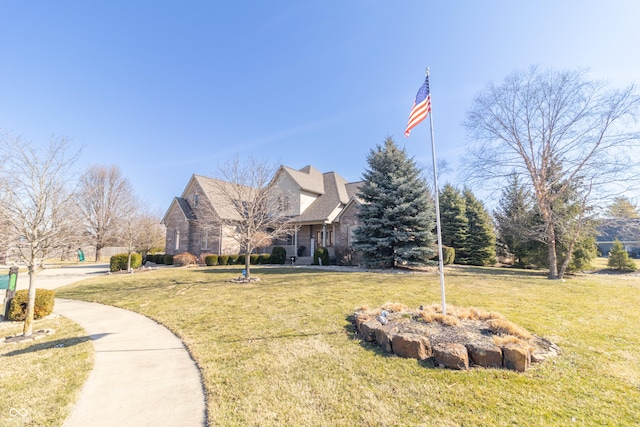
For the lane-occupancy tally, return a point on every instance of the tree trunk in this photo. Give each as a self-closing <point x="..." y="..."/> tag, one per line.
<point x="247" y="265"/>
<point x="27" y="331"/>
<point x="98" y="253"/>
<point x="553" y="256"/>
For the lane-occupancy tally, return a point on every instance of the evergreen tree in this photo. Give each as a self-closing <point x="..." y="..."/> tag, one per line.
<point x="481" y="237"/>
<point x="398" y="215"/>
<point x="514" y="221"/>
<point x="454" y="222"/>
<point x="619" y="258"/>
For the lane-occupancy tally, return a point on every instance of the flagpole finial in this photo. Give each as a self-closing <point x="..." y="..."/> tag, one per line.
<point x="427" y="71"/>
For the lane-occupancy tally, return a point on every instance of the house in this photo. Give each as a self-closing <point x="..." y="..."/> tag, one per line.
<point x="627" y="231"/>
<point x="322" y="207"/>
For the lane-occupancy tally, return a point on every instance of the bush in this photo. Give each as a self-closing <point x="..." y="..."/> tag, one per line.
<point x="119" y="261"/>
<point x="223" y="259"/>
<point x="184" y="259"/>
<point x="619" y="258"/>
<point x="321" y="254"/>
<point x="278" y="255"/>
<point x="264" y="259"/>
<point x="448" y="255"/>
<point x="211" y="260"/>
<point x="42" y="307"/>
<point x="167" y="259"/>
<point x="233" y="259"/>
<point x="253" y="259"/>
<point x="242" y="259"/>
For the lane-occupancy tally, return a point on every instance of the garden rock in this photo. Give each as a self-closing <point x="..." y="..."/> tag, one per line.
<point x="451" y="356"/>
<point x="516" y="357"/>
<point x="485" y="354"/>
<point x="411" y="345"/>
<point x="384" y="336"/>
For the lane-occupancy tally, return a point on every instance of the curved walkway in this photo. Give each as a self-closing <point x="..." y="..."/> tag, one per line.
<point x="142" y="376"/>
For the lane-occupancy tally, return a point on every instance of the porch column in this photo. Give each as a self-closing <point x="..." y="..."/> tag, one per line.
<point x="324" y="235"/>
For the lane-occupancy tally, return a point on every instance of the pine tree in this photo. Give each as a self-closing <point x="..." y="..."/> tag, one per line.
<point x="454" y="222"/>
<point x="398" y="215"/>
<point x="619" y="258"/>
<point x="514" y="220"/>
<point x="481" y="237"/>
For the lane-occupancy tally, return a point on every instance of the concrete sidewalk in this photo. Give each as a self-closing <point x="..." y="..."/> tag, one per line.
<point x="143" y="374"/>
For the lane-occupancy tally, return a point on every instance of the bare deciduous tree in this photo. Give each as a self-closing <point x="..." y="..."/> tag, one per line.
<point x="151" y="233"/>
<point x="104" y="198"/>
<point x="37" y="190"/>
<point x="256" y="207"/>
<point x="539" y="123"/>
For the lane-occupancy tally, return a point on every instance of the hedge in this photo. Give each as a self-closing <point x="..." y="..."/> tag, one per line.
<point x="119" y="261"/>
<point x="43" y="304"/>
<point x="211" y="260"/>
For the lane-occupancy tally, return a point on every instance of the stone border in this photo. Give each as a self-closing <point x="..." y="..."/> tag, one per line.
<point x="402" y="340"/>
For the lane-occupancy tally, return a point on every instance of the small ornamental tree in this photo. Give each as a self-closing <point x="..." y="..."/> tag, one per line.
<point x="398" y="215"/>
<point x="619" y="258"/>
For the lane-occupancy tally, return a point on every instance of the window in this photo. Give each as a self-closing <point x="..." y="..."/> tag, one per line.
<point x="328" y="235"/>
<point x="204" y="240"/>
<point x="177" y="239"/>
<point x="195" y="200"/>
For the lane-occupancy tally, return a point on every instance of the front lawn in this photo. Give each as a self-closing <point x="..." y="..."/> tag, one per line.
<point x="41" y="380"/>
<point x="282" y="351"/>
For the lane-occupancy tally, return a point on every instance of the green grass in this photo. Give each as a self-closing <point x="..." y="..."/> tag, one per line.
<point x="283" y="352"/>
<point x="41" y="380"/>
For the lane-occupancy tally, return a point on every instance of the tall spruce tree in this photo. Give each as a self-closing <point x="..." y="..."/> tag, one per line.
<point x="398" y="215"/>
<point x="454" y="222"/>
<point x="514" y="220"/>
<point x="481" y="237"/>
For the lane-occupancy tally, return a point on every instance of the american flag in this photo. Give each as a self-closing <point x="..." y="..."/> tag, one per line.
<point x="421" y="107"/>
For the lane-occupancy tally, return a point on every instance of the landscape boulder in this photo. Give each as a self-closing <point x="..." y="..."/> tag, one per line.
<point x="411" y="345"/>
<point x="451" y="356"/>
<point x="516" y="357"/>
<point x="384" y="336"/>
<point x="485" y="354"/>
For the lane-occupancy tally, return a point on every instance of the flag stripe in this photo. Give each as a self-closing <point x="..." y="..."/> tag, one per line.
<point x="421" y="107"/>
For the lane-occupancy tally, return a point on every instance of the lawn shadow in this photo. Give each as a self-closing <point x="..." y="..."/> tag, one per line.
<point x="61" y="343"/>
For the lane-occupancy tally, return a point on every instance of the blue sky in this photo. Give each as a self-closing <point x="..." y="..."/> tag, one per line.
<point x="165" y="89"/>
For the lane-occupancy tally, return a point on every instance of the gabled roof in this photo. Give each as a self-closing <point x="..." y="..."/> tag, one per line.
<point x="211" y="187"/>
<point x="183" y="206"/>
<point x="329" y="205"/>
<point x="308" y="178"/>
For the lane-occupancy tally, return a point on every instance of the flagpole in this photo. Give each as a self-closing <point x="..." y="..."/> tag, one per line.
<point x="438" y="227"/>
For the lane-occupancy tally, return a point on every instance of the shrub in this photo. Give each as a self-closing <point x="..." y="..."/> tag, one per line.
<point x="184" y="259"/>
<point x="211" y="260"/>
<point x="43" y="305"/>
<point x="448" y="255"/>
<point x="619" y="258"/>
<point x="233" y="259"/>
<point x="167" y="259"/>
<point x="321" y="254"/>
<point x="242" y="259"/>
<point x="159" y="259"/>
<point x="278" y="255"/>
<point x="119" y="261"/>
<point x="253" y="259"/>
<point x="264" y="259"/>
<point x="223" y="259"/>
